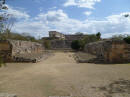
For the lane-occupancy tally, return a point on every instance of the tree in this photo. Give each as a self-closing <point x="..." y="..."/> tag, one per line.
<point x="98" y="35"/>
<point x="79" y="33"/>
<point x="3" y="14"/>
<point x="6" y="20"/>
<point x="90" y="38"/>
<point x="2" y="2"/>
<point x="118" y="37"/>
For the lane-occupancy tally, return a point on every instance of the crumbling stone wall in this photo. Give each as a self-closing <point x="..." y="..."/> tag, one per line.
<point x="55" y="34"/>
<point x="74" y="37"/>
<point x="24" y="47"/>
<point x="60" y="44"/>
<point x="12" y="49"/>
<point x="112" y="51"/>
<point x="66" y="43"/>
<point x="5" y="50"/>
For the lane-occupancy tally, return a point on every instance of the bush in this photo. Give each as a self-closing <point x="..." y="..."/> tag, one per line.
<point x="90" y="38"/>
<point x="127" y="39"/>
<point x="118" y="37"/>
<point x="76" y="45"/>
<point x="47" y="44"/>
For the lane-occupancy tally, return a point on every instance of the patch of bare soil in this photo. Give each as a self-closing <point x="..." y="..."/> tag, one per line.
<point x="61" y="75"/>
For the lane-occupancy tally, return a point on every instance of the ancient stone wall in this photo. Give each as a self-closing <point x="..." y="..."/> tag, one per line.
<point x="55" y="34"/>
<point x="111" y="51"/>
<point x="5" y="50"/>
<point x="12" y="49"/>
<point x="74" y="37"/>
<point x="98" y="48"/>
<point x="65" y="43"/>
<point x="24" y="47"/>
<point x="60" y="44"/>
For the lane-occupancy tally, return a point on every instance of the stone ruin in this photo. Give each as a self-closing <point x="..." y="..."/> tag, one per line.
<point x="61" y="41"/>
<point x="20" y="51"/>
<point x="109" y="51"/>
<point x="56" y="35"/>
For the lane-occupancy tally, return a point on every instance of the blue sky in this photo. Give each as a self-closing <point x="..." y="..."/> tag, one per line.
<point x="37" y="17"/>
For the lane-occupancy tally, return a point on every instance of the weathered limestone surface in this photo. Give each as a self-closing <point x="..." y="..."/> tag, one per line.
<point x="74" y="37"/>
<point x="60" y="44"/>
<point x="66" y="43"/>
<point x="55" y="34"/>
<point x="110" y="51"/>
<point x="62" y="41"/>
<point x="16" y="50"/>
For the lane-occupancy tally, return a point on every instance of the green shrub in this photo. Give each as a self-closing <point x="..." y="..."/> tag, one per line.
<point x="76" y="45"/>
<point x="118" y="37"/>
<point x="127" y="39"/>
<point x="47" y="44"/>
<point x="98" y="35"/>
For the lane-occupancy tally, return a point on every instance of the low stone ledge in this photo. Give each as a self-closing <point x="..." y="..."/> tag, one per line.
<point x="82" y="57"/>
<point x="32" y="57"/>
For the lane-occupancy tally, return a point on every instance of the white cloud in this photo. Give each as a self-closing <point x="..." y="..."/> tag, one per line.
<point x="52" y="16"/>
<point x="60" y="21"/>
<point x="70" y="3"/>
<point x="34" y="28"/>
<point x="87" y="13"/>
<point x="17" y="13"/>
<point x="82" y="3"/>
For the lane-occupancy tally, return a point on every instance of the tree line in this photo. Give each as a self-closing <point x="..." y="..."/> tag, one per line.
<point x="80" y="44"/>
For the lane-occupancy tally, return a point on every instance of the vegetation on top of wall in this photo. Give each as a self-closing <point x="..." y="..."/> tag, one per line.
<point x="15" y="36"/>
<point x="79" y="33"/>
<point x="127" y="39"/>
<point x="80" y="44"/>
<point x="118" y="37"/>
<point x="98" y="35"/>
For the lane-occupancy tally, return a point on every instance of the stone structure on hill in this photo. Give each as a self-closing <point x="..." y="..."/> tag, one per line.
<point x="56" y="35"/>
<point x="109" y="51"/>
<point x="16" y="50"/>
<point x="61" y="41"/>
<point x="74" y="37"/>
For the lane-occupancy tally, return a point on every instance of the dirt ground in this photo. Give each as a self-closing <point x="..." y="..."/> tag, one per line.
<point x="60" y="76"/>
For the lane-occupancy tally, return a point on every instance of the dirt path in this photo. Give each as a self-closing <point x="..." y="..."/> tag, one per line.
<point x="60" y="75"/>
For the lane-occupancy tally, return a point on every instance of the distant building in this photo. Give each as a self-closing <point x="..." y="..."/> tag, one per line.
<point x="61" y="41"/>
<point x="56" y="35"/>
